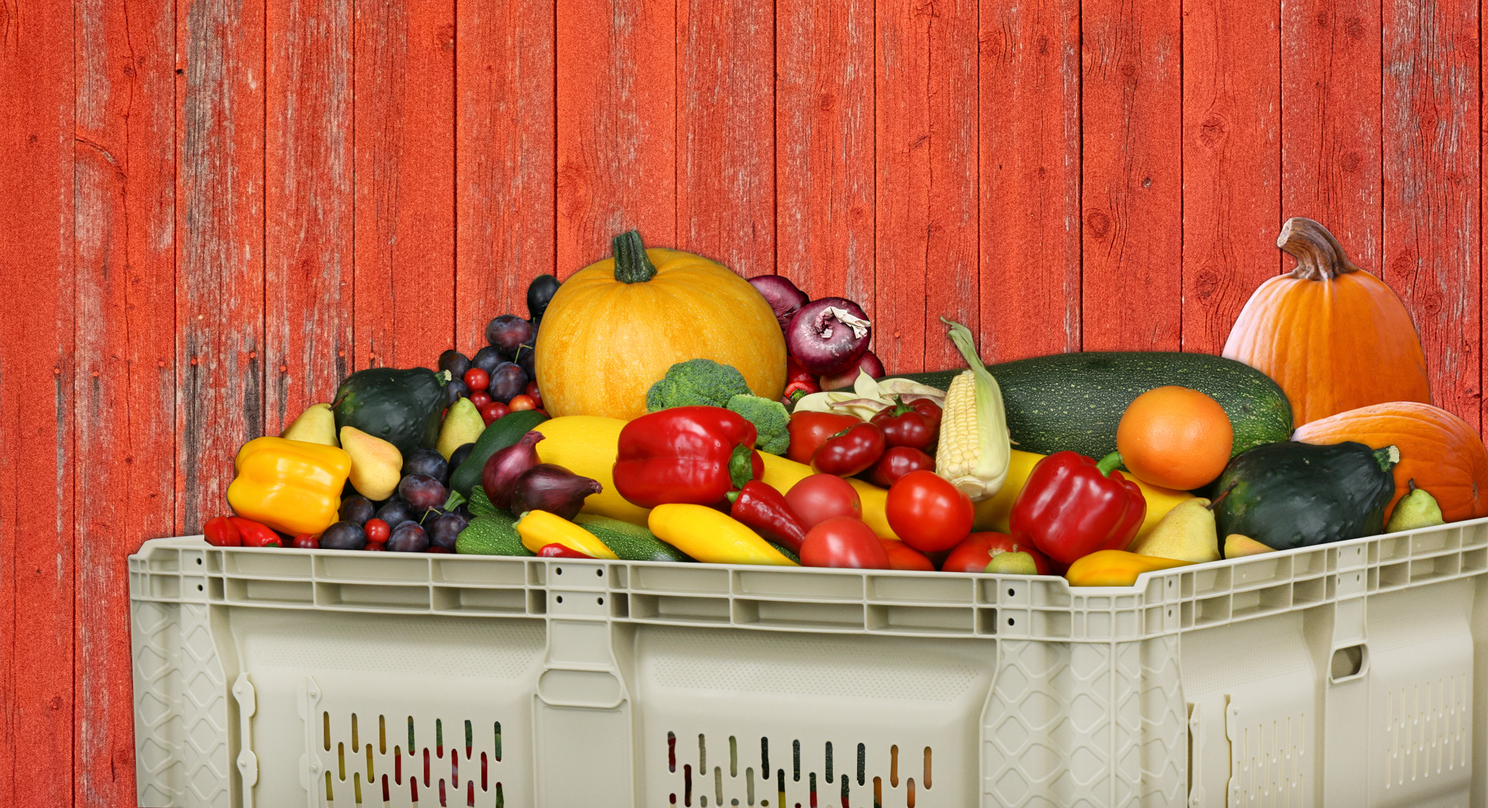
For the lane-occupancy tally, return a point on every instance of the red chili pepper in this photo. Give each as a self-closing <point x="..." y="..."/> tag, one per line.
<point x="307" y="541"/>
<point x="809" y="430"/>
<point x="798" y="381"/>
<point x="1072" y="506"/>
<point x="255" y="534"/>
<point x="903" y="425"/>
<point x="761" y="507"/>
<point x="897" y="462"/>
<point x="692" y="455"/>
<point x="221" y="532"/>
<point x="850" y="451"/>
<point x="556" y="550"/>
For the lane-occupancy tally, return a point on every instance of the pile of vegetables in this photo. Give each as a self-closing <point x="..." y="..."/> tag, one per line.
<point x="657" y="407"/>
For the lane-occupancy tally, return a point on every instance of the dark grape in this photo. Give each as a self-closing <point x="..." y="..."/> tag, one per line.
<point x="356" y="509"/>
<point x="395" y="512"/>
<point x="524" y="360"/>
<point x="456" y="390"/>
<point x="444" y="530"/>
<point x="422" y="492"/>
<point x="486" y="359"/>
<point x="454" y="362"/>
<point x="343" y="536"/>
<point x="408" y="538"/>
<point x="506" y="381"/>
<point x="460" y="455"/>
<point x="426" y="461"/>
<point x="508" y="331"/>
<point x="539" y="292"/>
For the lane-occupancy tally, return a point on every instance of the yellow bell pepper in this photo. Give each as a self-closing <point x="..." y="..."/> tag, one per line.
<point x="1115" y="568"/>
<point x="291" y="486"/>
<point x="711" y="536"/>
<point x="992" y="514"/>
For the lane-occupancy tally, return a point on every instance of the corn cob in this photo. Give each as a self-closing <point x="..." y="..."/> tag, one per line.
<point x="974" y="451"/>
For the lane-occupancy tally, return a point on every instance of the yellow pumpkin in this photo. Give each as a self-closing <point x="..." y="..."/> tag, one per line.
<point x="616" y="326"/>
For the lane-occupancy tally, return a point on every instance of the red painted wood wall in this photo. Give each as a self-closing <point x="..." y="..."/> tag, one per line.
<point x="212" y="210"/>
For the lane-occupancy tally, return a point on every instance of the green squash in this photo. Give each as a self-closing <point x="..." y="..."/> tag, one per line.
<point x="403" y="407"/>
<point x="1288" y="495"/>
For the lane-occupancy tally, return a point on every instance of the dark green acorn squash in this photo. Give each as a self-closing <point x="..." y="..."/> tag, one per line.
<point x="1288" y="495"/>
<point x="403" y="407"/>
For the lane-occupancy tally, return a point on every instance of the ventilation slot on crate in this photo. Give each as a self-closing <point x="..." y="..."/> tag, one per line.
<point x="800" y="773"/>
<point x="1267" y="762"/>
<point x="1428" y="729"/>
<point x="362" y="757"/>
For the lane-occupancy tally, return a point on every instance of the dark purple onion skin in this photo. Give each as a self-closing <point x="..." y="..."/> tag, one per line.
<point x="782" y="295"/>
<point x="504" y="467"/>
<point x="867" y="362"/>
<point x="555" y="489"/>
<point x="822" y="344"/>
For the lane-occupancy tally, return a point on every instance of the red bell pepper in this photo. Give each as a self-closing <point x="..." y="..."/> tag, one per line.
<point x="221" y="532"/>
<point x="1072" y="506"/>
<point x="762" y="508"/>
<point x="691" y="455"/>
<point x="850" y="451"/>
<point x="903" y="425"/>
<point x="255" y="534"/>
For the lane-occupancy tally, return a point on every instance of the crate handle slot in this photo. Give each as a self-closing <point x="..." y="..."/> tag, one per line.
<point x="247" y="700"/>
<point x="1348" y="663"/>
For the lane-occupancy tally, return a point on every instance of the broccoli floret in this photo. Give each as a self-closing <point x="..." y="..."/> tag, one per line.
<point x="771" y="422"/>
<point x="696" y="382"/>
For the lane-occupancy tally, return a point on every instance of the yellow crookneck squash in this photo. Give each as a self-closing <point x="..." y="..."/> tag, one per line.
<point x="1334" y="337"/>
<point x="616" y="326"/>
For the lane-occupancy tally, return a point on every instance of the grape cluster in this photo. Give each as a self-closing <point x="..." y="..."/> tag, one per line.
<point x="500" y="377"/>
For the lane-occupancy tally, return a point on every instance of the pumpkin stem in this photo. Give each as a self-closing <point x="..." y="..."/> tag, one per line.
<point x="631" y="263"/>
<point x="1319" y="255"/>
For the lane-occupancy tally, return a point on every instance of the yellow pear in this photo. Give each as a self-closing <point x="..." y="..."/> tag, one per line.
<point x="1186" y="533"/>
<point x="462" y="424"/>
<point x="1414" y="511"/>
<point x="376" y="465"/>
<point x="1238" y="546"/>
<point x="315" y="425"/>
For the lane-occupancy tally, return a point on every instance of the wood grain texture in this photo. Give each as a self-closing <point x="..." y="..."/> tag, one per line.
<point x="405" y="182"/>
<point x="308" y="198"/>
<point x="726" y="133"/>
<point x="1133" y="175"/>
<point x="617" y="126"/>
<point x="824" y="135"/>
<point x="926" y="182"/>
<point x="1430" y="126"/>
<point x="125" y="386"/>
<point x="505" y="199"/>
<point x="1029" y="179"/>
<point x="37" y="423"/>
<point x="1231" y="162"/>
<point x="219" y="248"/>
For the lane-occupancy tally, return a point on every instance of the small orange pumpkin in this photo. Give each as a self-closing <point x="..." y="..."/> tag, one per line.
<point x="1440" y="451"/>
<point x="616" y="326"/>
<point x="1335" y="338"/>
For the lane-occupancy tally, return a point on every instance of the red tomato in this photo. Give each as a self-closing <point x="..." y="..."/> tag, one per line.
<point x="493" y="411"/>
<point x="975" y="552"/>
<point x="307" y="541"/>
<point x="897" y="462"/>
<point x="377" y="531"/>
<point x="477" y="379"/>
<point x="850" y="452"/>
<point x="533" y="394"/>
<point x="904" y="557"/>
<point x="903" y="426"/>
<point x="520" y="403"/>
<point x="927" y="512"/>
<point x="843" y="541"/>
<point x="809" y="430"/>
<point x="375" y="547"/>
<point x="821" y="497"/>
<point x="479" y="399"/>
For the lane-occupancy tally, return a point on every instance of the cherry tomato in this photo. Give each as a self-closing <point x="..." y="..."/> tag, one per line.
<point x="480" y="399"/>
<point x="820" y="497"/>
<point x="377" y="531"/>
<point x="904" y="557"/>
<point x="843" y="541"/>
<point x="520" y="403"/>
<point x="477" y="379"/>
<point x="374" y="547"/>
<point x="493" y="411"/>
<point x="929" y="513"/>
<point x="975" y="552"/>
<point x="850" y="451"/>
<point x="809" y="430"/>
<point x="532" y="393"/>
<point x="903" y="426"/>
<point x="897" y="462"/>
<point x="931" y="412"/>
<point x="307" y="541"/>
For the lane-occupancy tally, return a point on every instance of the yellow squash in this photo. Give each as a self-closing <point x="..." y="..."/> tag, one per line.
<point x="587" y="445"/>
<point x="1115" y="568"/>
<point x="712" y="537"/>
<point x="539" y="529"/>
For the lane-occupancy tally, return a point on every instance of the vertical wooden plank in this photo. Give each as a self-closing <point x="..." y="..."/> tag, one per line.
<point x="824" y="132"/>
<point x="36" y="411"/>
<point x="125" y="387"/>
<point x="405" y="182"/>
<point x="219" y="248"/>
<point x="1231" y="162"/>
<point x="1430" y="131"/>
<point x="927" y="218"/>
<point x="308" y="230"/>
<point x="1030" y="179"/>
<point x="1133" y="175"/>
<point x="1330" y="121"/>
<point x="505" y="160"/>
<point x="617" y="126"/>
<point x="726" y="133"/>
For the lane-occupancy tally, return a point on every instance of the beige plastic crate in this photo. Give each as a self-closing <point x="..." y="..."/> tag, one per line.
<point x="1342" y="675"/>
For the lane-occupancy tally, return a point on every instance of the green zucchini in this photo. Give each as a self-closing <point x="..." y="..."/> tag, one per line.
<point x="495" y="534"/>
<point x="403" y="407"/>
<point x="1074" y="401"/>
<point x="629" y="542"/>
<point x="501" y="433"/>
<point x="1288" y="495"/>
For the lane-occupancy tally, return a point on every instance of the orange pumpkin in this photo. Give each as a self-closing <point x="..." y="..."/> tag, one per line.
<point x="616" y="326"/>
<point x="1440" y="451"/>
<point x="1334" y="337"/>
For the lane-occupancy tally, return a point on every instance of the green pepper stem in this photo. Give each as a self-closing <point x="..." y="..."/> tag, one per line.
<point x="1108" y="463"/>
<point x="632" y="265"/>
<point x="741" y="466"/>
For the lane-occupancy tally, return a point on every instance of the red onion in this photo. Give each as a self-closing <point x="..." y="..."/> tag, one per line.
<point x="555" y="489"/>
<point x="827" y="336"/>
<point x="868" y="363"/>
<point x="504" y="467"/>
<point x="782" y="295"/>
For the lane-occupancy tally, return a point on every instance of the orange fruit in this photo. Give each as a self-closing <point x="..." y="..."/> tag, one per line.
<point x="1175" y="437"/>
